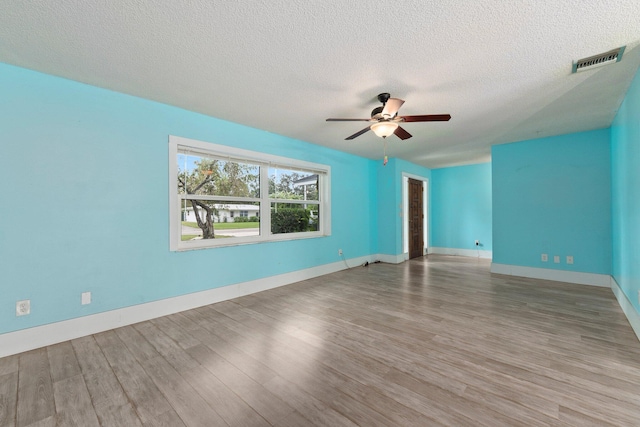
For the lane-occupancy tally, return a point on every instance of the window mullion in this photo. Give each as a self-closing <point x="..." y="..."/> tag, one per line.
<point x="265" y="206"/>
<point x="220" y="198"/>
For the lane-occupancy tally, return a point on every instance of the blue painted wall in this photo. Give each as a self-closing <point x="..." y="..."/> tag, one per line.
<point x="553" y="195"/>
<point x="461" y="207"/>
<point x="389" y="225"/>
<point x="85" y="202"/>
<point x="625" y="167"/>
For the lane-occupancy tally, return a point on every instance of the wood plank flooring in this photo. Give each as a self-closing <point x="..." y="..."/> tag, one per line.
<point x="436" y="341"/>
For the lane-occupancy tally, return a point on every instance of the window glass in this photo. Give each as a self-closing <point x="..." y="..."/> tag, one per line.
<point x="292" y="184"/>
<point x="212" y="219"/>
<point x="293" y="218"/>
<point x="204" y="175"/>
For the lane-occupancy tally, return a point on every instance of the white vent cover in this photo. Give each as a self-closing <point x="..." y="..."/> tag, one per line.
<point x="596" y="61"/>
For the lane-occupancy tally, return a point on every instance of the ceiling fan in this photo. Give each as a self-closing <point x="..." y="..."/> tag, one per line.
<point x="386" y="120"/>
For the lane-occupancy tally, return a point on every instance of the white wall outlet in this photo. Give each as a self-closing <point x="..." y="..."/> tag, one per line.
<point x="340" y="252"/>
<point x="544" y="257"/>
<point x="86" y="298"/>
<point x="23" y="307"/>
<point x="477" y="242"/>
<point x="556" y="259"/>
<point x="569" y="259"/>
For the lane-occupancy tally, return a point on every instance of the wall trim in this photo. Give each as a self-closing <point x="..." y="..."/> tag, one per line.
<point x="473" y="253"/>
<point x="627" y="308"/>
<point x="577" y="277"/>
<point x="390" y="259"/>
<point x="53" y="333"/>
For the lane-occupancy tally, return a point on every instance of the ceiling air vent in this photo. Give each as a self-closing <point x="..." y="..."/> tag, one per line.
<point x="596" y="61"/>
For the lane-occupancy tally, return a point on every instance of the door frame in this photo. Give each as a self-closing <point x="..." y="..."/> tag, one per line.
<point x="405" y="212"/>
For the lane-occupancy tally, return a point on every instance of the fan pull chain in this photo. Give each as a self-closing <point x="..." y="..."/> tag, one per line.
<point x="386" y="159"/>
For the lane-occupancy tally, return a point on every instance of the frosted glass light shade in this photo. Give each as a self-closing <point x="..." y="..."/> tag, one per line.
<point x="384" y="129"/>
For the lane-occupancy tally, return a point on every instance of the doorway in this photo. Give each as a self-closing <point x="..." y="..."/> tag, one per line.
<point x="415" y="216"/>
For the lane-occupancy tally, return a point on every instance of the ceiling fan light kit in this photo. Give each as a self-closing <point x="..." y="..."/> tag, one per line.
<point x="384" y="129"/>
<point x="386" y="121"/>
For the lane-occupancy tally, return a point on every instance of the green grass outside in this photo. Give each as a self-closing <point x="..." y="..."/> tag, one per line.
<point x="225" y="225"/>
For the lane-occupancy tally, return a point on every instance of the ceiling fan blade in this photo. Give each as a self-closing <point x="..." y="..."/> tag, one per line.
<point x="357" y="134"/>
<point x="391" y="107"/>
<point x="402" y="134"/>
<point x="348" y="120"/>
<point x="427" y="118"/>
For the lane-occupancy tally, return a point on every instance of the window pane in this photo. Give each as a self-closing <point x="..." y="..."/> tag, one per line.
<point x="292" y="184"/>
<point x="214" y="177"/>
<point x="293" y="218"/>
<point x="206" y="219"/>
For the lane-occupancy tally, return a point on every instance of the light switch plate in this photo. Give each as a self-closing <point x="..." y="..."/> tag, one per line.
<point x="86" y="298"/>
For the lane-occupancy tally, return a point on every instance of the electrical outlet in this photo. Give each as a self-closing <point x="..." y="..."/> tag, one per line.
<point x="544" y="257"/>
<point x="86" y="298"/>
<point x="556" y="259"/>
<point x="340" y="252"/>
<point x="23" y="307"/>
<point x="477" y="242"/>
<point x="569" y="259"/>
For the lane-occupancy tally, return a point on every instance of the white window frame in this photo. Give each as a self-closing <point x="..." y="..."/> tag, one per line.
<point x="177" y="143"/>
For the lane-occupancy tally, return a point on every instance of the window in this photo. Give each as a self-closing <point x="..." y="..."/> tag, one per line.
<point x="222" y="196"/>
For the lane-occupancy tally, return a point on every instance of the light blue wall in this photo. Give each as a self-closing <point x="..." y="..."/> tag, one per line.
<point x="389" y="208"/>
<point x="625" y="167"/>
<point x="461" y="207"/>
<point x="553" y="195"/>
<point x="85" y="202"/>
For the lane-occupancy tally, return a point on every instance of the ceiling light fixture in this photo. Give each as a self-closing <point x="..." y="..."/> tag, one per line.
<point x="384" y="129"/>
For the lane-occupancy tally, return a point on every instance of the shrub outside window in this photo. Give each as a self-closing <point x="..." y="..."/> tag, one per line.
<point x="221" y="196"/>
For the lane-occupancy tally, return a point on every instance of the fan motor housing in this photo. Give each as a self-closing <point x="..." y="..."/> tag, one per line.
<point x="376" y="112"/>
<point x="384" y="97"/>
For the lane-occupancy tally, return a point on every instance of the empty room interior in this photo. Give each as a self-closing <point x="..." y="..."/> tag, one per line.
<point x="320" y="213"/>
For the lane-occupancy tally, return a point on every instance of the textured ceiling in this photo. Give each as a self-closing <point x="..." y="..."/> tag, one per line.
<point x="501" y="69"/>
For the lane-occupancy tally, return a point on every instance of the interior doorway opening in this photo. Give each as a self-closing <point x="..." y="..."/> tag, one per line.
<point x="415" y="226"/>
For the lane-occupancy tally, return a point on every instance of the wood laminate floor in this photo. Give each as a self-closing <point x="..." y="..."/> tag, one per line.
<point x="435" y="341"/>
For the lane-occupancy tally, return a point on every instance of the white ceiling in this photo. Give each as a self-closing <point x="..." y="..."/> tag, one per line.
<point x="501" y="69"/>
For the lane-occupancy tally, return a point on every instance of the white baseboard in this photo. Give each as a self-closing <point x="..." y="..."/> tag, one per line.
<point x="53" y="333"/>
<point x="627" y="308"/>
<point x="390" y="259"/>
<point x="577" y="277"/>
<point x="473" y="253"/>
